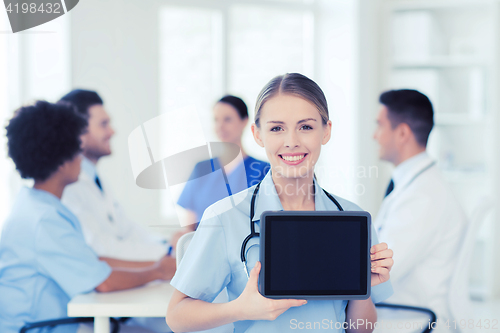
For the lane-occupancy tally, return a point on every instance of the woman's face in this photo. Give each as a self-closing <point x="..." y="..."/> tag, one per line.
<point x="292" y="132"/>
<point x="228" y="124"/>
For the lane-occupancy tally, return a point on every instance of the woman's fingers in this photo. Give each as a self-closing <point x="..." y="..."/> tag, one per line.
<point x="383" y="254"/>
<point x="378" y="247"/>
<point x="386" y="263"/>
<point x="278" y="303"/>
<point x="383" y="273"/>
<point x="288" y="303"/>
<point x="379" y="275"/>
<point x="254" y="276"/>
<point x="281" y="305"/>
<point x="257" y="307"/>
<point x="381" y="263"/>
<point x="256" y="269"/>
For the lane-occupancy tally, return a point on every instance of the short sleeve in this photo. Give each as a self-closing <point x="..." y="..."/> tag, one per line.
<point x="63" y="255"/>
<point x="384" y="290"/>
<point x="256" y="171"/>
<point x="204" y="270"/>
<point x="187" y="196"/>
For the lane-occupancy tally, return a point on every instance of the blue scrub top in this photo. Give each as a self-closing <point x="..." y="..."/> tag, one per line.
<point x="44" y="262"/>
<point x="203" y="191"/>
<point x="212" y="261"/>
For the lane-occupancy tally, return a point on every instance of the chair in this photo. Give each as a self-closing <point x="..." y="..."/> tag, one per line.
<point x="66" y="321"/>
<point x="182" y="245"/>
<point x="180" y="251"/>
<point x="424" y="325"/>
<point x="459" y="299"/>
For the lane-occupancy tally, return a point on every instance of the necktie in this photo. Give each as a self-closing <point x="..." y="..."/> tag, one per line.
<point x="98" y="182"/>
<point x="389" y="188"/>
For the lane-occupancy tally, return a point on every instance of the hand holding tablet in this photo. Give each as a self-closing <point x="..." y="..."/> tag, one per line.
<point x="320" y="255"/>
<point x="381" y="263"/>
<point x="258" y="307"/>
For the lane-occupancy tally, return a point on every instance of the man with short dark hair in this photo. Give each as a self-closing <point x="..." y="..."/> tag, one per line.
<point x="44" y="260"/>
<point x="106" y="227"/>
<point x="419" y="219"/>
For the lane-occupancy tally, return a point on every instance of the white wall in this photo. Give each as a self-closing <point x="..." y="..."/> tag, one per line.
<point x="335" y="69"/>
<point x="34" y="65"/>
<point x="367" y="84"/>
<point x="115" y="51"/>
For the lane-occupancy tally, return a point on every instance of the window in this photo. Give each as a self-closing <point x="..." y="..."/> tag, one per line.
<point x="33" y="65"/>
<point x="5" y="83"/>
<point x="211" y="48"/>
<point x="208" y="52"/>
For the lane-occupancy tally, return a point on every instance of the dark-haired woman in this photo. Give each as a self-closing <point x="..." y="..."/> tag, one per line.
<point x="231" y="118"/>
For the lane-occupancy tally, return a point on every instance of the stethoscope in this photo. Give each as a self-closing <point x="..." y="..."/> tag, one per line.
<point x="252" y="224"/>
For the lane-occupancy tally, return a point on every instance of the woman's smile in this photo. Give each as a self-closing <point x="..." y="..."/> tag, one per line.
<point x="293" y="159"/>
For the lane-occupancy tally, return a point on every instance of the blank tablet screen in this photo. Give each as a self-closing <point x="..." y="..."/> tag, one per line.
<point x="316" y="255"/>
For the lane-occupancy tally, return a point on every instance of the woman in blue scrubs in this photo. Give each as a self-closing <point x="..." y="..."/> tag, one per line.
<point x="292" y="124"/>
<point x="44" y="260"/>
<point x="231" y="118"/>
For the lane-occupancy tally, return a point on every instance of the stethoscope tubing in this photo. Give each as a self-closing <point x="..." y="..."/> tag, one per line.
<point x="252" y="223"/>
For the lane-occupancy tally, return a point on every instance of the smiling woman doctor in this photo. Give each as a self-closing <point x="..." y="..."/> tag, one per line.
<point x="292" y="124"/>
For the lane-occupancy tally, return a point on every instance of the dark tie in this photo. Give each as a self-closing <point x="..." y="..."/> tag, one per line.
<point x="389" y="188"/>
<point x="98" y="182"/>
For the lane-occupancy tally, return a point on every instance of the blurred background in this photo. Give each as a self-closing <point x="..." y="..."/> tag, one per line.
<point x="149" y="57"/>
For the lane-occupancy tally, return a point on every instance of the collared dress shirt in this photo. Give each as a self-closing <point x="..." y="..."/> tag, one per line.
<point x="106" y="227"/>
<point x="423" y="223"/>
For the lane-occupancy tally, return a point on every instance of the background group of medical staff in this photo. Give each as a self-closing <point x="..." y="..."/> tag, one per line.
<point x="68" y="235"/>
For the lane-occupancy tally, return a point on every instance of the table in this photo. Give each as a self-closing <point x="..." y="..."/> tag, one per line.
<point x="150" y="300"/>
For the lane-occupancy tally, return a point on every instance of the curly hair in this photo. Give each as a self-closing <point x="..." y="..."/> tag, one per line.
<point x="42" y="137"/>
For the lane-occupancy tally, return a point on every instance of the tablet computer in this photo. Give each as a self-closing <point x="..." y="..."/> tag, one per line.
<point x="315" y="255"/>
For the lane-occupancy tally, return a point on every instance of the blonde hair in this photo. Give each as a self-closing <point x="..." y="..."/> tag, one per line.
<point x="293" y="84"/>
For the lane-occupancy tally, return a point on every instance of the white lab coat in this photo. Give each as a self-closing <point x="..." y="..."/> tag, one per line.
<point x="424" y="225"/>
<point x="107" y="229"/>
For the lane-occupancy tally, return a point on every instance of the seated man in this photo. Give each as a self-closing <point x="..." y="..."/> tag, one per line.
<point x="107" y="229"/>
<point x="44" y="260"/>
<point x="420" y="218"/>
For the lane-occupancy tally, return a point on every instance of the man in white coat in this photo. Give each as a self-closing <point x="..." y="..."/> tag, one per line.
<point x="107" y="229"/>
<point x="419" y="219"/>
